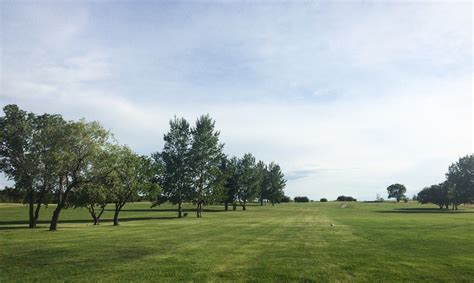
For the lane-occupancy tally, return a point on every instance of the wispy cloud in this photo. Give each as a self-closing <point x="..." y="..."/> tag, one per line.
<point x="375" y="93"/>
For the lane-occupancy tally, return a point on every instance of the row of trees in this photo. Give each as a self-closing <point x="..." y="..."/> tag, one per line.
<point x="458" y="188"/>
<point x="75" y="163"/>
<point x="79" y="164"/>
<point x="196" y="170"/>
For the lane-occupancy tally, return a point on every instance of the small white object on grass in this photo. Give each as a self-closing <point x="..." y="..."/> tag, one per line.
<point x="332" y="224"/>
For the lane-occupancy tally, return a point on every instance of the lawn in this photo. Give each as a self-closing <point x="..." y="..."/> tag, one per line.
<point x="368" y="241"/>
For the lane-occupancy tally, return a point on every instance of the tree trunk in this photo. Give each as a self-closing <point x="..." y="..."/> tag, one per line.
<point x="179" y="210"/>
<point x="32" y="223"/>
<point x="234" y="206"/>
<point x="243" y="206"/>
<point x="116" y="215"/>
<point x="61" y="203"/>
<point x="198" y="210"/>
<point x="96" y="222"/>
<point x="38" y="207"/>
<point x="54" y="221"/>
<point x="226" y="205"/>
<point x="261" y="202"/>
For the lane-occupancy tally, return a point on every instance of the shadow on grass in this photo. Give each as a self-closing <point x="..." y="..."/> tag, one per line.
<point x="105" y="220"/>
<point x="424" y="210"/>
<point x="167" y="210"/>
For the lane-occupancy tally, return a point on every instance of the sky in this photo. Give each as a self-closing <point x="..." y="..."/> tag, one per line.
<point x="347" y="96"/>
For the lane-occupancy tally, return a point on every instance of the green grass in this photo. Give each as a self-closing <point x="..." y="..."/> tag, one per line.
<point x="368" y="242"/>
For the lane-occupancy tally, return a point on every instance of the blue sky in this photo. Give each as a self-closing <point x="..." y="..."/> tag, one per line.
<point x="348" y="97"/>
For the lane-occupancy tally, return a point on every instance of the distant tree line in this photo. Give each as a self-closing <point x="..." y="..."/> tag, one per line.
<point x="79" y="164"/>
<point x="458" y="188"/>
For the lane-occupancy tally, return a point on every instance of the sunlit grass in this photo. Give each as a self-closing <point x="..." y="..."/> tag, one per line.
<point x="368" y="241"/>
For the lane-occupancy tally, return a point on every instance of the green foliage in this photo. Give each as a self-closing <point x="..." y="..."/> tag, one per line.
<point x="286" y="199"/>
<point x="301" y="199"/>
<point x="206" y="158"/>
<point x="132" y="175"/>
<point x="248" y="180"/>
<point x="323" y="200"/>
<point x="175" y="161"/>
<point x="396" y="191"/>
<point x="457" y="189"/>
<point x="345" y="198"/>
<point x="460" y="179"/>
<point x="274" y="183"/>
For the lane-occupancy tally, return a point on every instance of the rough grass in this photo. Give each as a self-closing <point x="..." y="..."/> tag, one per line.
<point x="288" y="242"/>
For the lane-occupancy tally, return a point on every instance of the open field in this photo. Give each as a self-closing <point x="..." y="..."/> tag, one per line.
<point x="369" y="241"/>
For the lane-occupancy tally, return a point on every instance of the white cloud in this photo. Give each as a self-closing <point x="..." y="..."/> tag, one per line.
<point x="347" y="98"/>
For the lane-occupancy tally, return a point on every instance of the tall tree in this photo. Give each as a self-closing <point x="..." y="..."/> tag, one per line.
<point x="17" y="158"/>
<point x="83" y="143"/>
<point x="206" y="157"/>
<point x="176" y="178"/>
<point x="248" y="181"/>
<point x="231" y="180"/>
<point x="261" y="172"/>
<point x="396" y="191"/>
<point x="48" y="139"/>
<point x="275" y="183"/>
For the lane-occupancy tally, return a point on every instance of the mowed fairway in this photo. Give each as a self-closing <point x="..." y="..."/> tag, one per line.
<point x="369" y="241"/>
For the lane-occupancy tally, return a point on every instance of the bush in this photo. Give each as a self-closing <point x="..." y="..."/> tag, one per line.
<point x="285" y="199"/>
<point x="301" y="199"/>
<point x="344" y="198"/>
<point x="323" y="200"/>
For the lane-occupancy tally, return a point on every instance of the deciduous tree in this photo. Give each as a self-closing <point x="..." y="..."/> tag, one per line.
<point x="396" y="191"/>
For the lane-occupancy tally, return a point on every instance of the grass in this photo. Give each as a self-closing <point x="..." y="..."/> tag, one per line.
<point x="288" y="242"/>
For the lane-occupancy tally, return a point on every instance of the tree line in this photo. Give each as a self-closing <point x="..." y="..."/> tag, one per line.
<point x="80" y="164"/>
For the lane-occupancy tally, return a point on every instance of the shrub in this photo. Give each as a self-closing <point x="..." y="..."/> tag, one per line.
<point x="301" y="199"/>
<point x="323" y="200"/>
<point x="285" y="199"/>
<point x="344" y="198"/>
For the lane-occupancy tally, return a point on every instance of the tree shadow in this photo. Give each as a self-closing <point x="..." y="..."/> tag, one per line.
<point x="167" y="210"/>
<point x="425" y="210"/>
<point x="4" y="224"/>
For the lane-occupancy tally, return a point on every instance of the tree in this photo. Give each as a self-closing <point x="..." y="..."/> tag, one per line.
<point x="345" y="198"/>
<point x="262" y="181"/>
<point x="460" y="179"/>
<point x="132" y="175"/>
<point x="436" y="194"/>
<point x="93" y="196"/>
<point x="48" y="140"/>
<point x="206" y="157"/>
<point x="286" y="199"/>
<point x="18" y="161"/>
<point x="275" y="183"/>
<point x="396" y="191"/>
<point x="301" y="199"/>
<point x="82" y="143"/>
<point x="176" y="179"/>
<point x="248" y="181"/>
<point x="229" y="169"/>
